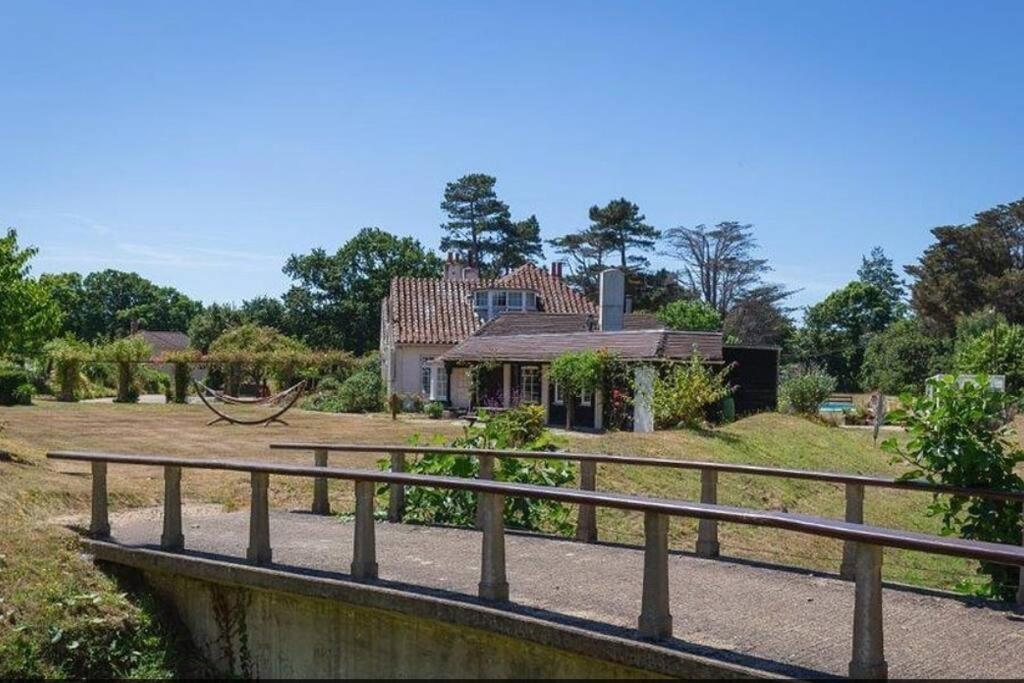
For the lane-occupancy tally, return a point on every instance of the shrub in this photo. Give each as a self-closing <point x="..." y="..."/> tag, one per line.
<point x="682" y="393"/>
<point x="960" y="436"/>
<point x="579" y="372"/>
<point x="363" y="392"/>
<point x="15" y="386"/>
<point x="684" y="314"/>
<point x="434" y="410"/>
<point x="997" y="350"/>
<point x="67" y="356"/>
<point x="520" y="428"/>
<point x="901" y="357"/>
<point x="803" y="389"/>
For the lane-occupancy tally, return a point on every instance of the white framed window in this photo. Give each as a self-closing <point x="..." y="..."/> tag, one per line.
<point x="425" y="374"/>
<point x="585" y="399"/>
<point x="442" y="385"/>
<point x="557" y="395"/>
<point x="530" y="384"/>
<point x="531" y="301"/>
<point x="515" y="301"/>
<point x="480" y="299"/>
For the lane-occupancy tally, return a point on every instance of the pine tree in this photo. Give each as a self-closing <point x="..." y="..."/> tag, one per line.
<point x="518" y="242"/>
<point x="620" y="224"/>
<point x="476" y="218"/>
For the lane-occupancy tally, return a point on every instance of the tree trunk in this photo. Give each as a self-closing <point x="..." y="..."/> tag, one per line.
<point x="124" y="381"/>
<point x="181" y="376"/>
<point x="68" y="371"/>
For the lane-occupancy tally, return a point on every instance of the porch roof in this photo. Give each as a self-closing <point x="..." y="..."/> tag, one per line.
<point x="630" y="345"/>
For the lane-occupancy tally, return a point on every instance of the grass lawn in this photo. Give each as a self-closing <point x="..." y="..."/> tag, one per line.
<point x="39" y="568"/>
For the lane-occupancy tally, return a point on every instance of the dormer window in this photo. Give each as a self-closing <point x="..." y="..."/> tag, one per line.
<point x="493" y="302"/>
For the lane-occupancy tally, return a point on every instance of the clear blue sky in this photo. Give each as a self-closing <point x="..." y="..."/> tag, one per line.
<point x="202" y="143"/>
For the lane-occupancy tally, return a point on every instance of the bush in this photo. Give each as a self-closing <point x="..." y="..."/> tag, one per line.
<point x="998" y="350"/>
<point x="683" y="392"/>
<point x="684" y="314"/>
<point x="521" y="428"/>
<point x="15" y="386"/>
<point x="901" y="357"/>
<point x="803" y="389"/>
<point x="960" y="436"/>
<point x="363" y="392"/>
<point x="434" y="410"/>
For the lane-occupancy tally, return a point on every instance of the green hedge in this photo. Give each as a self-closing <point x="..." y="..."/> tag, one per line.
<point x="15" y="386"/>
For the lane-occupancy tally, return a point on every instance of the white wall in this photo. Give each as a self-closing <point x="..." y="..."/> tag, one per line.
<point x="406" y="361"/>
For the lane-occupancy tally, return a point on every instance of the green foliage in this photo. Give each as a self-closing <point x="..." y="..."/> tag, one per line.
<point x="579" y="371"/>
<point x="434" y="410"/>
<point x="67" y="355"/>
<point x="877" y="270"/>
<point x="521" y="428"/>
<point x="959" y="436"/>
<point x="971" y="268"/>
<point x="804" y="388"/>
<point x="15" y="385"/>
<point x="998" y="350"/>
<point x="901" y="357"/>
<point x="103" y="305"/>
<point x="691" y="314"/>
<point x="362" y="392"/>
<point x="478" y="222"/>
<point x="337" y="296"/>
<point x="620" y="225"/>
<point x="836" y="330"/>
<point x="28" y="314"/>
<point x="684" y="390"/>
<point x="133" y="349"/>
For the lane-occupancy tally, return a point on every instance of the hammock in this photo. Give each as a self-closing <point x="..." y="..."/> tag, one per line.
<point x="295" y="391"/>
<point x="245" y="400"/>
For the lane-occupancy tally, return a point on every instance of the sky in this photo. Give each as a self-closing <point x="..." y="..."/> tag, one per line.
<point x="200" y="144"/>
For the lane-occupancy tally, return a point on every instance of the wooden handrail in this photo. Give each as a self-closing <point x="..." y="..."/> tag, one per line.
<point x="655" y="620"/>
<point x="756" y="470"/>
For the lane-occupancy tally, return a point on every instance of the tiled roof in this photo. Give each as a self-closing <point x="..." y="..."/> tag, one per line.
<point x="627" y="344"/>
<point x="553" y="323"/>
<point x="166" y="340"/>
<point x="439" y="311"/>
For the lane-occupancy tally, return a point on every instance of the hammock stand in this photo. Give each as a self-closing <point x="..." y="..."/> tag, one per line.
<point x="244" y="400"/>
<point x="296" y="393"/>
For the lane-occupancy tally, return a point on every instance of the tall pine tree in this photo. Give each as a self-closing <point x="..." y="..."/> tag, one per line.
<point x="518" y="243"/>
<point x="620" y="224"/>
<point x="477" y="219"/>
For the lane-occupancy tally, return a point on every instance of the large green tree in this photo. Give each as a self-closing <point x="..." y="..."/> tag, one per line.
<point x="587" y="252"/>
<point x="837" y="329"/>
<point x="476" y="218"/>
<point x="518" y="242"/>
<point x="902" y="357"/>
<point x="970" y="268"/>
<point x="337" y="296"/>
<point x="620" y="225"/>
<point x="877" y="269"/>
<point x="211" y="323"/>
<point x="28" y="315"/>
<point x="106" y="303"/>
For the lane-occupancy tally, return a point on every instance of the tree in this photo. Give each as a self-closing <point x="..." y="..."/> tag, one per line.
<point x="337" y="297"/>
<point x="266" y="311"/>
<point x="998" y="350"/>
<point x="902" y="357"/>
<point x="476" y="218"/>
<point x="215" y="320"/>
<point x="654" y="289"/>
<point x="587" y="252"/>
<point x="972" y="267"/>
<point x="689" y="315"/>
<point x="836" y="330"/>
<point x="718" y="262"/>
<point x="518" y="242"/>
<point x="28" y="315"/>
<point x="620" y="225"/>
<point x="760" y="318"/>
<point x="877" y="270"/>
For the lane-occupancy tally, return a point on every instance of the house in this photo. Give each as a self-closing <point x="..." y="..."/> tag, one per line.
<point x="422" y="318"/>
<point x="507" y="350"/>
<point x="166" y="341"/>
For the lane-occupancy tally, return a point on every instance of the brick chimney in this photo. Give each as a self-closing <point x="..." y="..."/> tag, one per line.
<point x="556" y="270"/>
<point x="458" y="268"/>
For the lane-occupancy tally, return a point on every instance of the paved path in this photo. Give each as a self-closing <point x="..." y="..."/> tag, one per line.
<point x="779" y="620"/>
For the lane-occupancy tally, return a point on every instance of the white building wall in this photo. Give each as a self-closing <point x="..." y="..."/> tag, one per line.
<point x="406" y="364"/>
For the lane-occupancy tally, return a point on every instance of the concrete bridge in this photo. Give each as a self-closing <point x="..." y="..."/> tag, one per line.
<point x="359" y="598"/>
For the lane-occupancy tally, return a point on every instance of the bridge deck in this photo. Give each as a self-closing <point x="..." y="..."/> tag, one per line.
<point x="783" y="621"/>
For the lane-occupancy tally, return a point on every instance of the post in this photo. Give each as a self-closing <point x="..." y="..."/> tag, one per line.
<point x="172" y="538"/>
<point x="259" y="551"/>
<point x="506" y="385"/>
<point x="364" y="551"/>
<point x="868" y="651"/>
<point x="854" y="515"/>
<point x="396" y="498"/>
<point x="124" y="381"/>
<point x="586" y="523"/>
<point x="655" y="619"/>
<point x="707" y="529"/>
<point x="321" y="506"/>
<point x="493" y="582"/>
<point x="545" y="392"/>
<point x="643" y="408"/>
<point x="599" y="409"/>
<point x="99" y="524"/>
<point x="486" y="472"/>
<point x="1020" y="582"/>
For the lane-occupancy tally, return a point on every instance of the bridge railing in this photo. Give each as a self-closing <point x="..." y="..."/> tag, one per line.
<point x="586" y="525"/>
<point x="655" y="620"/>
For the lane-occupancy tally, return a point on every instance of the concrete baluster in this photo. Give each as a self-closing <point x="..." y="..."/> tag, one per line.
<point x="493" y="582"/>
<point x="364" y="551"/>
<point x="707" y="529"/>
<point x="172" y="538"/>
<point x="321" y="506"/>
<point x="868" y="650"/>
<point x="259" y="551"/>
<point x="655" y="619"/>
<point x="855" y="515"/>
<point x="486" y="472"/>
<point x="586" y="523"/>
<point x="396" y="499"/>
<point x="99" y="524"/>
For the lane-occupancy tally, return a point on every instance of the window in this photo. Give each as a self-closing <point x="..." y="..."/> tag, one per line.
<point x="585" y="399"/>
<point x="515" y="301"/>
<point x="530" y="384"/>
<point x="480" y="299"/>
<point x="531" y="301"/>
<point x="425" y="374"/>
<point x="558" y="395"/>
<point x="499" y="302"/>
